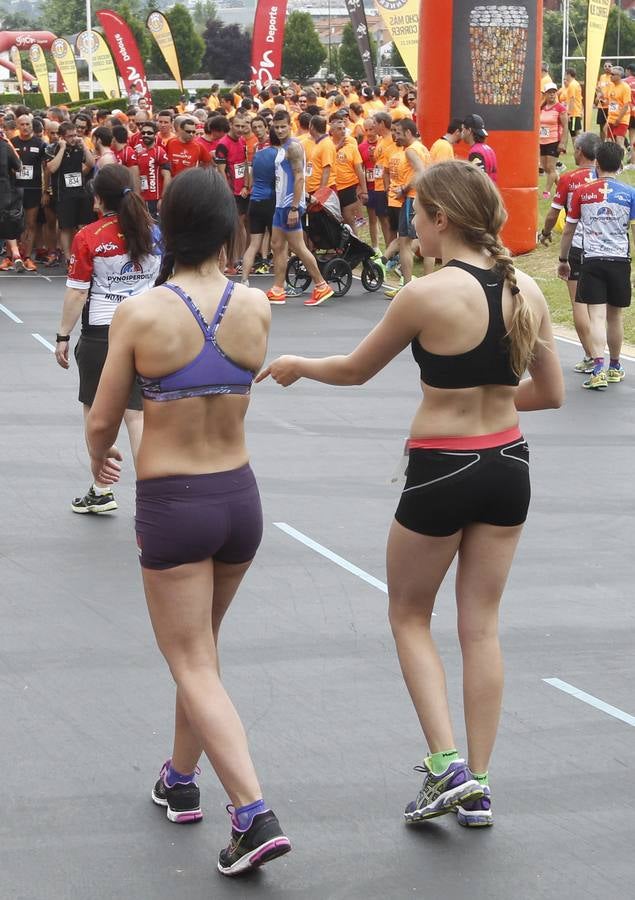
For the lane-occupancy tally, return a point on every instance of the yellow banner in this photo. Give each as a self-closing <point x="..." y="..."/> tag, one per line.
<point x="103" y="66"/>
<point x="14" y="56"/>
<point x="38" y="61"/>
<point x="596" y="29"/>
<point x="401" y="18"/>
<point x="159" y="28"/>
<point x="64" y="58"/>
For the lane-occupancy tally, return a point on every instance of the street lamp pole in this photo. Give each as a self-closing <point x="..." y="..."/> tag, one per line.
<point x="89" y="35"/>
<point x="330" y="67"/>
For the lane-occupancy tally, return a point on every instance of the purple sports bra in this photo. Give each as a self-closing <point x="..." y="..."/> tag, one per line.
<point x="211" y="372"/>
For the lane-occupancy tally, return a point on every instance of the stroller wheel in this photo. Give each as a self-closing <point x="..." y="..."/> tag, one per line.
<point x="339" y="275"/>
<point x="297" y="276"/>
<point x="372" y="275"/>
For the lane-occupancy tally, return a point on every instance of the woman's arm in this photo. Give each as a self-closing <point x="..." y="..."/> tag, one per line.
<point x="544" y="389"/>
<point x="400" y="324"/>
<point x="115" y="385"/>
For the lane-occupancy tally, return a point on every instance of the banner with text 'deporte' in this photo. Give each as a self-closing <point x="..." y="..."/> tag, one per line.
<point x="266" y="43"/>
<point x="125" y="51"/>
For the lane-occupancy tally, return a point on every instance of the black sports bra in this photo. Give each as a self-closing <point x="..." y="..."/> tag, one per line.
<point x="489" y="362"/>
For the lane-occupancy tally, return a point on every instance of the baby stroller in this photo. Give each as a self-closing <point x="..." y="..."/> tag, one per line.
<point x="337" y="250"/>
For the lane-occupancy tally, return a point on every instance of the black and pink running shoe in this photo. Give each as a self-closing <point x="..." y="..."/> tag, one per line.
<point x="263" y="841"/>
<point x="182" y="800"/>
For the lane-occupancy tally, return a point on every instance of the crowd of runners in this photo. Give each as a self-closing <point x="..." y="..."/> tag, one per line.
<point x="175" y="204"/>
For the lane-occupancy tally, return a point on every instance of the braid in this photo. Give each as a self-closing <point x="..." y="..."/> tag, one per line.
<point x="523" y="330"/>
<point x="167" y="267"/>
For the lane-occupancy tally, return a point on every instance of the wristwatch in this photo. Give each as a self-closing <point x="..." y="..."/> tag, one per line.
<point x="293" y="209"/>
<point x="62" y="338"/>
<point x="563" y="259"/>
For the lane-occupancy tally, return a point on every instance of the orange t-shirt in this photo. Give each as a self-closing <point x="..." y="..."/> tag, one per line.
<point x="252" y="142"/>
<point x="395" y="168"/>
<point x="441" y="150"/>
<point x="604" y="85"/>
<point x="186" y="156"/>
<point x="407" y="173"/>
<point x="318" y="156"/>
<point x="619" y="95"/>
<point x="383" y="151"/>
<point x="399" y="112"/>
<point x="346" y="158"/>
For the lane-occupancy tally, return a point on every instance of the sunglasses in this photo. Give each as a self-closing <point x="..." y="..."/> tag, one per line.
<point x="189" y="131"/>
<point x="150" y="133"/>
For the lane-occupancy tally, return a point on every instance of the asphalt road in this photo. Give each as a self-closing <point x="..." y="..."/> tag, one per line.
<point x="307" y="655"/>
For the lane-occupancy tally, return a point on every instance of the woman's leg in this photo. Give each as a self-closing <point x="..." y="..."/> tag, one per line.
<point x="134" y="424"/>
<point x="485" y="557"/>
<point x="581" y="319"/>
<point x="255" y="242"/>
<point x="549" y="165"/>
<point x="416" y="566"/>
<point x="188" y="745"/>
<point x="180" y="602"/>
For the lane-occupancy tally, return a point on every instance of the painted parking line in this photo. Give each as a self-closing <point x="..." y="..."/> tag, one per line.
<point x="567" y="688"/>
<point x="44" y="342"/>
<point x="333" y="557"/>
<point x="10" y="314"/>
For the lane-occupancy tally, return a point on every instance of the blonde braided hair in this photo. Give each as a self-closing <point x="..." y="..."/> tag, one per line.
<point x="474" y="207"/>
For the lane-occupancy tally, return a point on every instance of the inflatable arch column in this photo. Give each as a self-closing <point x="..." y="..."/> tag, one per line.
<point x="481" y="56"/>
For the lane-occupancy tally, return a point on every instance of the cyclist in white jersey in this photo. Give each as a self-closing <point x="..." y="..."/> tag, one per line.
<point x="286" y="232"/>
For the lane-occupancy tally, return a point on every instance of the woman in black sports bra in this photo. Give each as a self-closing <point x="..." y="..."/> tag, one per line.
<point x="475" y="326"/>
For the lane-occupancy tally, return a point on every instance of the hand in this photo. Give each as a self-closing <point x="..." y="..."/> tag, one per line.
<point x="564" y="271"/>
<point x="61" y="144"/>
<point x="543" y="238"/>
<point x="61" y="354"/>
<point x="244" y="192"/>
<point x="295" y="215"/>
<point x="46" y="198"/>
<point x="107" y="469"/>
<point x="363" y="196"/>
<point x="561" y="149"/>
<point x="283" y="370"/>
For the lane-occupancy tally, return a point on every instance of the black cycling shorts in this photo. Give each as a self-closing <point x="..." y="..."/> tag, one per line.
<point x="90" y="354"/>
<point x="605" y="281"/>
<point x="575" y="263"/>
<point x="261" y="215"/>
<point x="448" y="488"/>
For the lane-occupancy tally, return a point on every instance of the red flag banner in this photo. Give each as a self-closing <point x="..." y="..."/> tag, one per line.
<point x="125" y="51"/>
<point x="266" y="43"/>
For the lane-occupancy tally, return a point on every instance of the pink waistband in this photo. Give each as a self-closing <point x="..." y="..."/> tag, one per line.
<point x="467" y="442"/>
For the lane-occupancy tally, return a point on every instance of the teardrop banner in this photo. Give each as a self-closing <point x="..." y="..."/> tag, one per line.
<point x="38" y="61"/>
<point x="103" y="66"/>
<point x="159" y="28"/>
<point x="482" y="58"/>
<point x="64" y="59"/>
<point x="596" y="30"/>
<point x="267" y="40"/>
<point x="125" y="50"/>
<point x="401" y="18"/>
<point x="14" y="56"/>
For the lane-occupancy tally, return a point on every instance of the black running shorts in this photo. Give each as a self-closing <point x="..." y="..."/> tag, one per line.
<point x="605" y="281"/>
<point x="90" y="354"/>
<point x="448" y="489"/>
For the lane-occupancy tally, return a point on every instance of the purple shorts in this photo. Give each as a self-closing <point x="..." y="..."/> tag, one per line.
<point x="188" y="518"/>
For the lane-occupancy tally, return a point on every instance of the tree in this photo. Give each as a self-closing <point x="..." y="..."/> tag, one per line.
<point x="131" y="12"/>
<point x="189" y="44"/>
<point x="552" y="38"/>
<point x="203" y="11"/>
<point x="303" y="53"/>
<point x="18" y="21"/>
<point x="227" y="51"/>
<point x="350" y="58"/>
<point x="65" y="15"/>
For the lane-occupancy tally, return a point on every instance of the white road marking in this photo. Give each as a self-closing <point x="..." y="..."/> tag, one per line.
<point x="577" y="344"/>
<point x="333" y="557"/>
<point x="45" y="277"/>
<point x="11" y="315"/>
<point x="44" y="342"/>
<point x="591" y="700"/>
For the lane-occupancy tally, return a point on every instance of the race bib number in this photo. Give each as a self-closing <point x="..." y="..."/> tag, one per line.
<point x="613" y="106"/>
<point x="144" y="182"/>
<point x="239" y="171"/>
<point x="370" y="174"/>
<point x="73" y="179"/>
<point x="378" y="173"/>
<point x="544" y="131"/>
<point x="309" y="170"/>
<point x="25" y="173"/>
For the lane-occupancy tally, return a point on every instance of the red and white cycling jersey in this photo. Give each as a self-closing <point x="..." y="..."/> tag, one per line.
<point x="568" y="183"/>
<point x="126" y="156"/>
<point x="101" y="265"/>
<point x="605" y="208"/>
<point x="150" y="161"/>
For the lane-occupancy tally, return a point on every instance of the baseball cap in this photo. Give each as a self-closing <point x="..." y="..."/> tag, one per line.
<point x="550" y="86"/>
<point x="476" y="124"/>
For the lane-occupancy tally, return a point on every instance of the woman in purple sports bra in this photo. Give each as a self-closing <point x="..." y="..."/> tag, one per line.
<point x="194" y="342"/>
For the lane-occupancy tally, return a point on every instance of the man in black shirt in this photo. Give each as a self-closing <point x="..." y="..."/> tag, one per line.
<point x="69" y="161"/>
<point x="32" y="151"/>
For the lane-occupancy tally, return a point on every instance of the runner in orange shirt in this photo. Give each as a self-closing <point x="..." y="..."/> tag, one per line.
<point x="166" y="131"/>
<point x="630" y="81"/>
<point x="397" y="109"/>
<point x="601" y="97"/>
<point x="320" y="157"/>
<point x="443" y="148"/>
<point x="183" y="151"/>
<point x="619" y="109"/>
<point x="385" y="149"/>
<point x="572" y="99"/>
<point x="349" y="172"/>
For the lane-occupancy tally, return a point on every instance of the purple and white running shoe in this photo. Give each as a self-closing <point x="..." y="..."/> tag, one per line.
<point x="440" y="794"/>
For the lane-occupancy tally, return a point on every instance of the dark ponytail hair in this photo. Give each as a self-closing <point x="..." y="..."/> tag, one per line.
<point x="198" y="218"/>
<point x="114" y="187"/>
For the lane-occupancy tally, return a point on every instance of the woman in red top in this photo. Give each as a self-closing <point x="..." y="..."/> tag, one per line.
<point x="554" y="127"/>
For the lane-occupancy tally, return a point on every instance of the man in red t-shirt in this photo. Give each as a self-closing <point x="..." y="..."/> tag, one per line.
<point x="630" y="81"/>
<point x="125" y="154"/>
<point x="183" y="151"/>
<point x="367" y="151"/>
<point x="154" y="168"/>
<point x="231" y="159"/>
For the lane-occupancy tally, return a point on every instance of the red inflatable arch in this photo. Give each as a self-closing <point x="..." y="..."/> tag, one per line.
<point x="23" y="40"/>
<point x="482" y="56"/>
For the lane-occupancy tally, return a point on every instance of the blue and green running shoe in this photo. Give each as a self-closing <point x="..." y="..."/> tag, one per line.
<point x="440" y="794"/>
